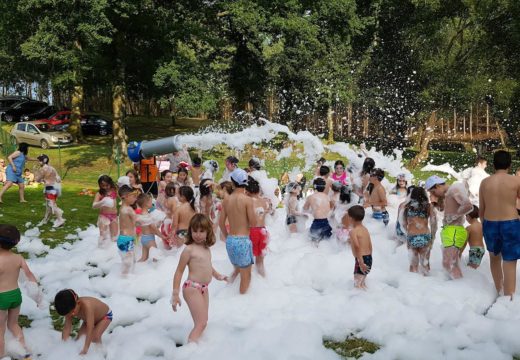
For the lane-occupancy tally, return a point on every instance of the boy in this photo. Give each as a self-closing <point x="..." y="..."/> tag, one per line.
<point x="500" y="223"/>
<point x="96" y="316"/>
<point x="257" y="232"/>
<point x="453" y="234"/>
<point x="361" y="245"/>
<point x="10" y="295"/>
<point x="196" y="171"/>
<point x="377" y="196"/>
<point x="325" y="175"/>
<point x="50" y="178"/>
<point x="475" y="239"/>
<point x="319" y="205"/>
<point x="127" y="220"/>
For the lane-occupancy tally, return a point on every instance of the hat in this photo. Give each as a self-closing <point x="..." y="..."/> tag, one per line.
<point x="232" y="160"/>
<point x="239" y="176"/>
<point x="434" y="180"/>
<point x="123" y="180"/>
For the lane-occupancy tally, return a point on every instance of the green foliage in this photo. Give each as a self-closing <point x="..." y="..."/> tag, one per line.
<point x="352" y="347"/>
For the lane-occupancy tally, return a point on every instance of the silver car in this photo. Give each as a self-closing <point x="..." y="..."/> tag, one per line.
<point x="40" y="133"/>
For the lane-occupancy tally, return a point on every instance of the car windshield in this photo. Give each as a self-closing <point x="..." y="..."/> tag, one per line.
<point x="45" y="127"/>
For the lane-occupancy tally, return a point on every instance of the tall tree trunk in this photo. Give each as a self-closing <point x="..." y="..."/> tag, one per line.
<point x="487" y="119"/>
<point x="173" y="114"/>
<point x="349" y="119"/>
<point x="476" y="118"/>
<point x="455" y="121"/>
<point x="330" y="123"/>
<point x="502" y="136"/>
<point x="75" y="120"/>
<point x="427" y="136"/>
<point x="471" y="121"/>
<point x="464" y="125"/>
<point x="119" y="145"/>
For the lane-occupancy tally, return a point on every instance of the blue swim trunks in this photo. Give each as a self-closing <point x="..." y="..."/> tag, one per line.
<point x="147" y="238"/>
<point x="381" y="215"/>
<point x="240" y="250"/>
<point x="418" y="241"/>
<point x="320" y="230"/>
<point x="503" y="237"/>
<point x="125" y="243"/>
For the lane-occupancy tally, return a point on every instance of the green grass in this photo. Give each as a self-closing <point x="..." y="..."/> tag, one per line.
<point x="352" y="347"/>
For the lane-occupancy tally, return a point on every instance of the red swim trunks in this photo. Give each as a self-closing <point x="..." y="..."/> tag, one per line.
<point x="259" y="237"/>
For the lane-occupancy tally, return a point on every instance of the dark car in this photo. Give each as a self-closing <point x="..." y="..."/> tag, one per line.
<point x="15" y="113"/>
<point x="95" y="125"/>
<point x="41" y="114"/>
<point x="8" y="101"/>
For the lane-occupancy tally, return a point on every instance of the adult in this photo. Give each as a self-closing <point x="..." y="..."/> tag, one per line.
<point x="472" y="177"/>
<point x="177" y="157"/>
<point x="339" y="173"/>
<point x="14" y="171"/>
<point x="500" y="223"/>
<point x="231" y="165"/>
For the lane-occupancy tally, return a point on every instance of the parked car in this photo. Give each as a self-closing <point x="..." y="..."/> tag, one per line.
<point x="8" y="101"/>
<point x="15" y="113"/>
<point x="59" y="118"/>
<point x="40" y="134"/>
<point x="44" y="113"/>
<point x="92" y="124"/>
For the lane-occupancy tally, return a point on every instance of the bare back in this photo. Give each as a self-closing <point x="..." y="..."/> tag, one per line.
<point x="475" y="235"/>
<point x="361" y="243"/>
<point x="239" y="211"/>
<point x="93" y="308"/>
<point x="319" y="203"/>
<point x="10" y="265"/>
<point x="261" y="207"/>
<point x="48" y="175"/>
<point x="498" y="195"/>
<point x="183" y="215"/>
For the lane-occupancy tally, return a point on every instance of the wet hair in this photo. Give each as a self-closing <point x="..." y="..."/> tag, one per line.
<point x="255" y="164"/>
<point x="319" y="184"/>
<point x="108" y="180"/>
<point x="339" y="162"/>
<point x="187" y="193"/>
<point x="203" y="189"/>
<point x="23" y="148"/>
<point x="227" y="186"/>
<point x="124" y="190"/>
<point x="201" y="222"/>
<point x="368" y="165"/>
<point x="502" y="160"/>
<point x="410" y="188"/>
<point x="474" y="214"/>
<point x="418" y="200"/>
<point x="43" y="158"/>
<point x="65" y="301"/>
<point x="182" y="170"/>
<point x="345" y="194"/>
<point x="378" y="173"/>
<point x="10" y="236"/>
<point x="356" y="212"/>
<point x="253" y="187"/>
<point x="197" y="161"/>
<point x="136" y="175"/>
<point x="324" y="170"/>
<point x="480" y="159"/>
<point x="164" y="173"/>
<point x="142" y="199"/>
<point x="336" y="186"/>
<point x="401" y="177"/>
<point x="170" y="189"/>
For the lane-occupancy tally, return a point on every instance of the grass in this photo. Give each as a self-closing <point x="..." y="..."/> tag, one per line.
<point x="352" y="347"/>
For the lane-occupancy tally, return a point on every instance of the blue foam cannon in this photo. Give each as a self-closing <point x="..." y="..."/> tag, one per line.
<point x="138" y="151"/>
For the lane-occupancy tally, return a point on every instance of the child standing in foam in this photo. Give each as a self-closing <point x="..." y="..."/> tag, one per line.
<point x="361" y="245"/>
<point x="475" y="238"/>
<point x="400" y="234"/>
<point x="197" y="256"/>
<point x="325" y="175"/>
<point x="183" y="179"/>
<point x="340" y="174"/>
<point x="364" y="179"/>
<point x="293" y="189"/>
<point x="196" y="171"/>
<point x="166" y="178"/>
<point x="148" y="231"/>
<point x="400" y="187"/>
<point x="10" y="294"/>
<point x="105" y="201"/>
<point x="319" y="204"/>
<point x="170" y="206"/>
<point x="377" y="196"/>
<point x="206" y="201"/>
<point x="182" y="216"/>
<point x="51" y="181"/>
<point x="127" y="222"/>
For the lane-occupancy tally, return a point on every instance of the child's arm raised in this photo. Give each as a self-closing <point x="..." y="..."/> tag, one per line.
<point x="183" y="261"/>
<point x="89" y="324"/>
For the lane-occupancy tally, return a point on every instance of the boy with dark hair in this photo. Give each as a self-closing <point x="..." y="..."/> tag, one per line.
<point x="475" y="239"/>
<point x="10" y="294"/>
<point x="361" y="245"/>
<point x="196" y="171"/>
<point x="319" y="205"/>
<point x="377" y="196"/>
<point x="325" y="175"/>
<point x="127" y="222"/>
<point x="51" y="181"/>
<point x="96" y="316"/>
<point x="500" y="222"/>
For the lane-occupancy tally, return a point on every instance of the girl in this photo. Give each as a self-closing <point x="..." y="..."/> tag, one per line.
<point x="105" y="201"/>
<point x="368" y="165"/>
<point x="182" y="178"/>
<point x="166" y="178"/>
<point x="133" y="177"/>
<point x="148" y="231"/>
<point x="400" y="187"/>
<point x="13" y="172"/>
<point x="170" y="206"/>
<point x="257" y="231"/>
<point x="339" y="173"/>
<point x="206" y="199"/>
<point x="197" y="256"/>
<point x="417" y="214"/>
<point x="400" y="235"/>
<point x="182" y="216"/>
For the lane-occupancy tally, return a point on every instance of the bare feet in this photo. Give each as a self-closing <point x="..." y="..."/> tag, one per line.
<point x="23" y="201"/>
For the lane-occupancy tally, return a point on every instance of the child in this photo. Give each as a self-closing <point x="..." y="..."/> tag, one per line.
<point x="182" y="178"/>
<point x="10" y="294"/>
<point x="196" y="171"/>
<point x="96" y="316"/>
<point x="417" y="213"/>
<point x="293" y="188"/>
<point x="368" y="166"/>
<point x="133" y="178"/>
<point x="318" y="203"/>
<point x="361" y="246"/>
<point x="400" y="187"/>
<point x="400" y="235"/>
<point x="197" y="256"/>
<point x="144" y="201"/>
<point x="182" y="216"/>
<point x="170" y="206"/>
<point x="3" y="168"/>
<point x="166" y="178"/>
<point x="224" y="189"/>
<point x="377" y="196"/>
<point x="105" y="201"/>
<point x="28" y="177"/>
<point x="49" y="176"/>
<point x="257" y="231"/>
<point x="127" y="222"/>
<point x="325" y="175"/>
<point x="475" y="238"/>
<point x="206" y="199"/>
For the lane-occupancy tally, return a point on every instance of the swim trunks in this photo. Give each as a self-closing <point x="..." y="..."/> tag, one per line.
<point x="183" y="233"/>
<point x="291" y="219"/>
<point x="259" y="239"/>
<point x="454" y="235"/>
<point x="367" y="259"/>
<point x="418" y="241"/>
<point x="125" y="243"/>
<point x="196" y="285"/>
<point x="476" y="253"/>
<point x="378" y="215"/>
<point x="240" y="250"/>
<point x="320" y="230"/>
<point x="10" y="299"/>
<point x="108" y="316"/>
<point x="147" y="238"/>
<point x="503" y="237"/>
<point x="386" y="217"/>
<point x="50" y="193"/>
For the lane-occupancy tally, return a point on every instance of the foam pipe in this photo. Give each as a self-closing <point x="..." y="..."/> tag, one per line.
<point x="146" y="149"/>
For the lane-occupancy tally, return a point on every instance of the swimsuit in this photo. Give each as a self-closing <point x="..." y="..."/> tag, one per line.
<point x="476" y="253"/>
<point x="454" y="235"/>
<point x="125" y="243"/>
<point x="147" y="238"/>
<point x="111" y="217"/>
<point x="418" y="241"/>
<point x="16" y="177"/>
<point x="342" y="178"/>
<point x="50" y="193"/>
<point x="259" y="239"/>
<point x="320" y="229"/>
<point x="381" y="215"/>
<point x="10" y="299"/>
<point x="182" y="233"/>
<point x="196" y="285"/>
<point x="240" y="250"/>
<point x="291" y="219"/>
<point x="367" y="259"/>
<point x="503" y="237"/>
<point x="108" y="316"/>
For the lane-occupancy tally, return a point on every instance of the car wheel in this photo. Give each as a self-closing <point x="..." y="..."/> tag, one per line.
<point x="103" y="132"/>
<point x="44" y="144"/>
<point x="13" y="140"/>
<point x="9" y="118"/>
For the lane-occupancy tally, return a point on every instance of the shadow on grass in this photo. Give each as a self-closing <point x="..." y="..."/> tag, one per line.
<point x="146" y="128"/>
<point x="352" y="347"/>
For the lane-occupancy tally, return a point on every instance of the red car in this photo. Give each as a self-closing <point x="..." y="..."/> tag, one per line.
<point x="59" y="118"/>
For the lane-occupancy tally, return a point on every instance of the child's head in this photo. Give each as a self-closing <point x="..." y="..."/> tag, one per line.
<point x="356" y="213"/>
<point x="105" y="184"/>
<point x="345" y="194"/>
<point x="319" y="184"/>
<point x="27" y="171"/>
<point x="401" y="181"/>
<point x="166" y="175"/>
<point x="182" y="174"/>
<point x="377" y="175"/>
<point x="517" y="172"/>
<point x="293" y="188"/>
<point x="186" y="194"/>
<point x="200" y="231"/>
<point x="473" y="215"/>
<point x="204" y="189"/>
<point x="324" y="170"/>
<point x="197" y="162"/>
<point x="336" y="186"/>
<point x="10" y="236"/>
<point x="239" y="178"/>
<point x="127" y="194"/>
<point x="225" y="187"/>
<point x="43" y="159"/>
<point x="481" y="162"/>
<point x="253" y="187"/>
<point x="144" y="201"/>
<point x="133" y="177"/>
<point x="65" y="301"/>
<point x="419" y="194"/>
<point x="368" y="165"/>
<point x="170" y="189"/>
<point x="254" y="163"/>
<point x="502" y="160"/>
<point x="339" y="166"/>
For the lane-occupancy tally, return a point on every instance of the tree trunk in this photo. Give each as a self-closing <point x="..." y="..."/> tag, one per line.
<point x="471" y="121"/>
<point x="330" y="122"/>
<point x="464" y="125"/>
<point x="173" y="115"/>
<point x="455" y="121"/>
<point x="349" y="119"/>
<point x="502" y="136"/>
<point x="119" y="146"/>
<point x="427" y="136"/>
<point x="75" y="119"/>
<point x="476" y="115"/>
<point x="487" y="119"/>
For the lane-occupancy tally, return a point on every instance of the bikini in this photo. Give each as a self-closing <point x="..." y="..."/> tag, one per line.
<point x="109" y="216"/>
<point x="196" y="285"/>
